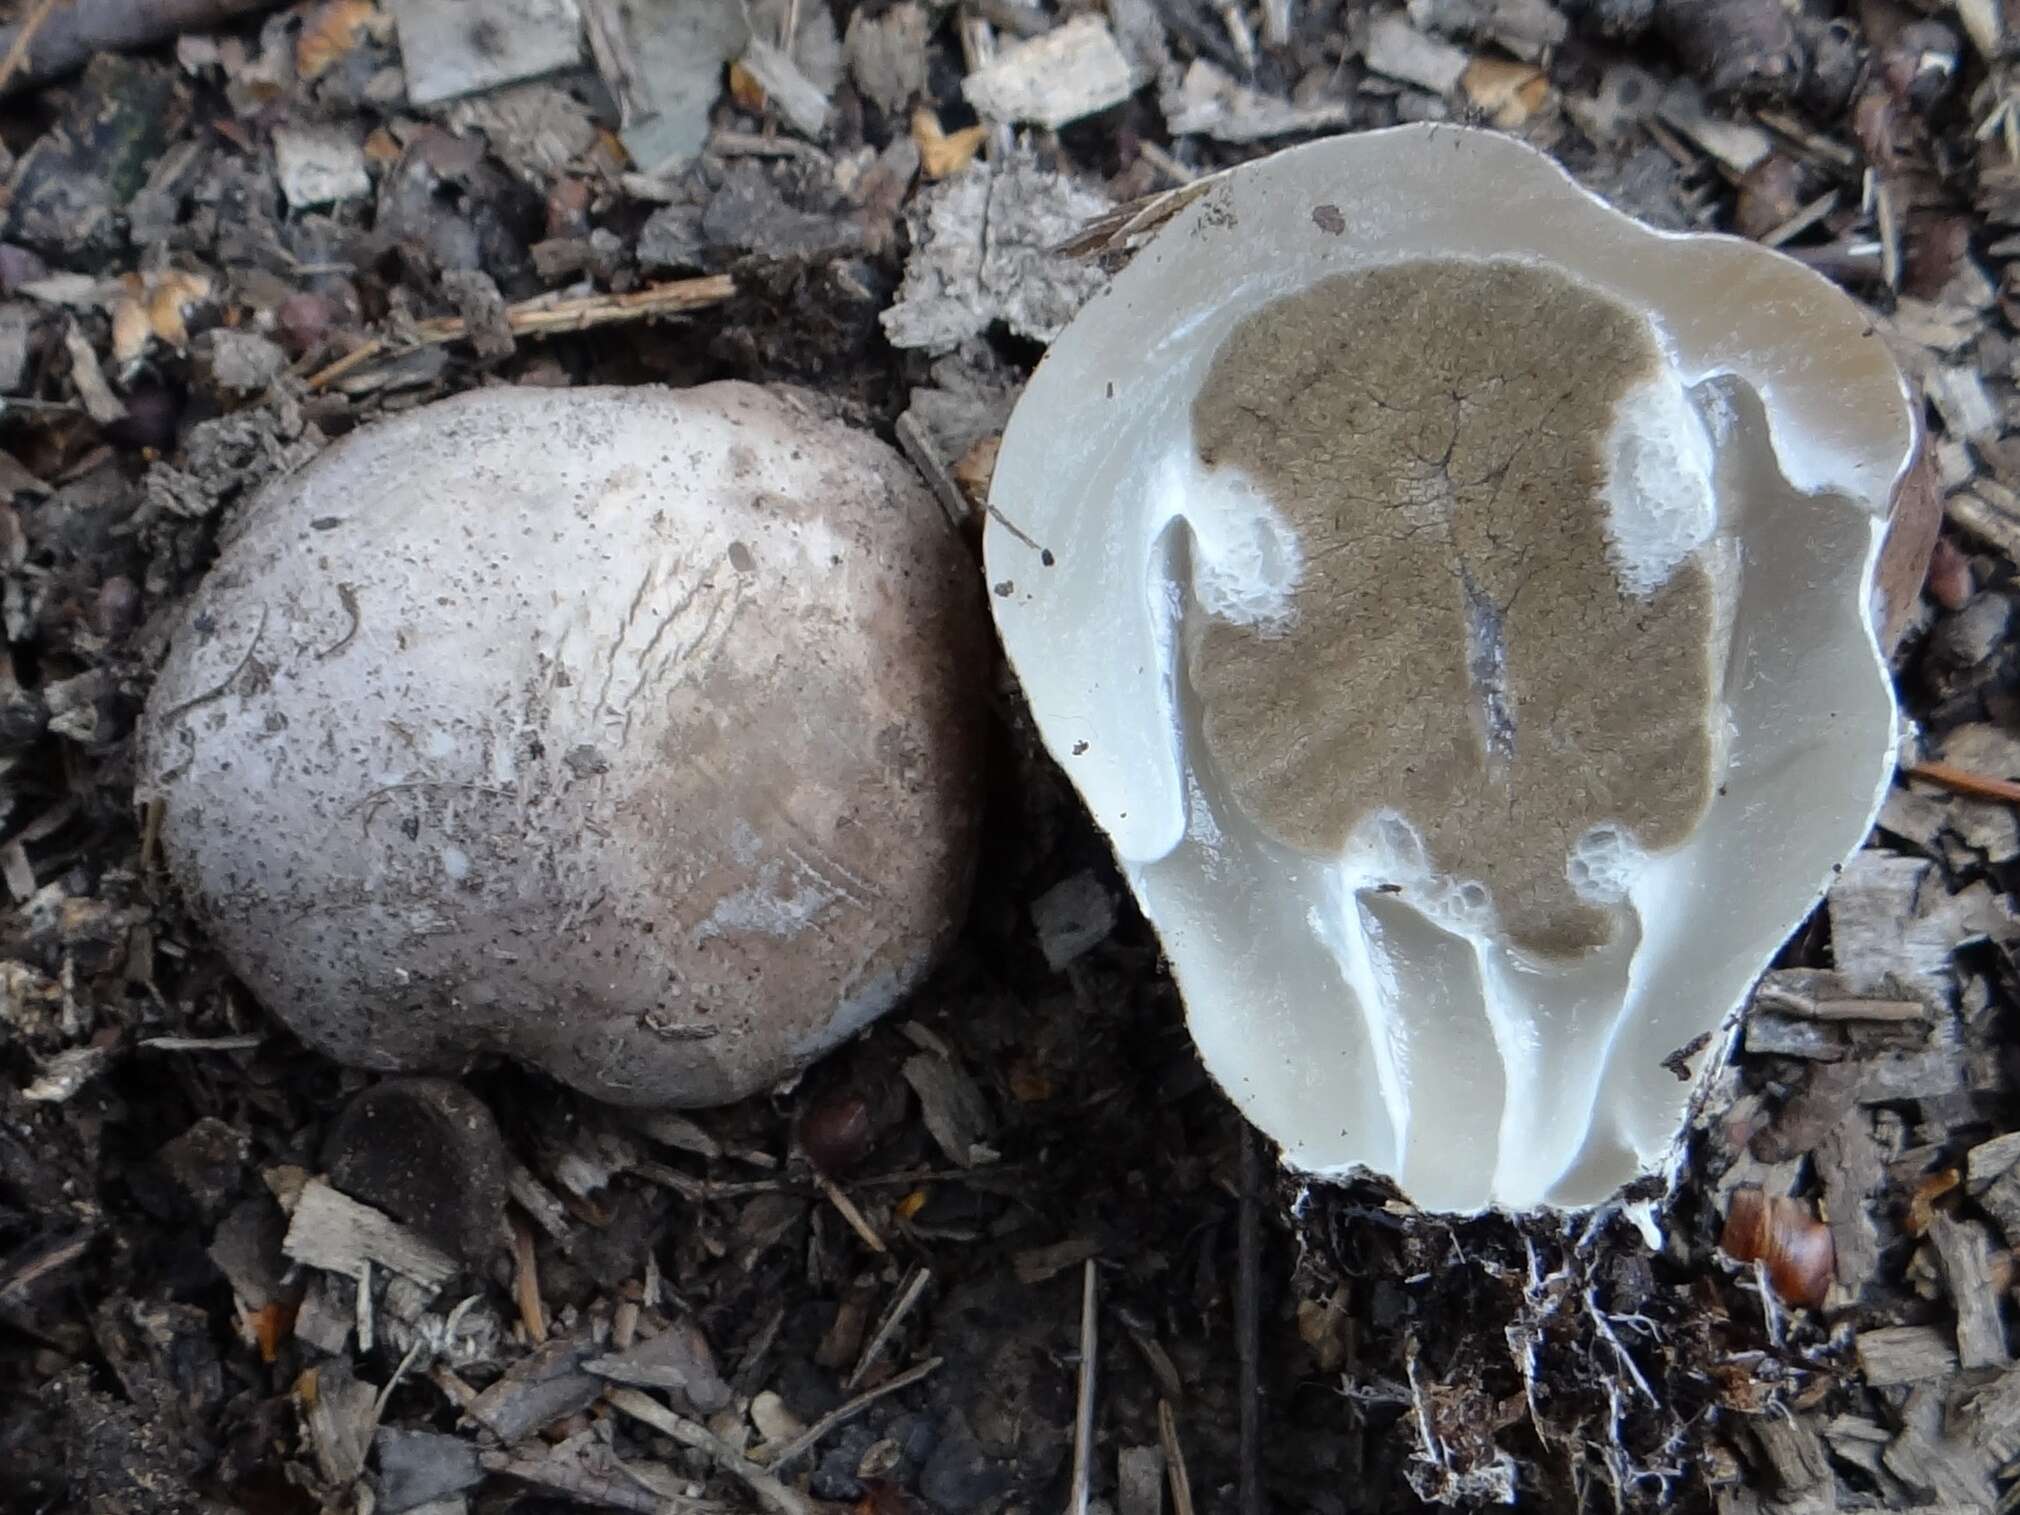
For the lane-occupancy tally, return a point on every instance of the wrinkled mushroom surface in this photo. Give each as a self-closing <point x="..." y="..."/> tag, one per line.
<point x="1457" y="602"/>
<point x="623" y="731"/>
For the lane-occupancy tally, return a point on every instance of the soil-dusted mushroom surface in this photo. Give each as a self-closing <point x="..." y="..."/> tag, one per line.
<point x="630" y="732"/>
<point x="235" y="1278"/>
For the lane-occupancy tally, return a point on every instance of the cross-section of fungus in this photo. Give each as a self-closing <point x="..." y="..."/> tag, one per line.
<point x="1470" y="644"/>
<point x="1463" y="624"/>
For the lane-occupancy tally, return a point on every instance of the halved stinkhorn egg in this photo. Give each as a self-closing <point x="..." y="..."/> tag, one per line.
<point x="1462" y="607"/>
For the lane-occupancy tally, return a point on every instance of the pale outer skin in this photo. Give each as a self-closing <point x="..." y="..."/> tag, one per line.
<point x="628" y="732"/>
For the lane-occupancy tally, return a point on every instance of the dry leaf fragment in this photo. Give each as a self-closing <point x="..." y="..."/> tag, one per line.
<point x="940" y="152"/>
<point x="1509" y="92"/>
<point x="332" y="31"/>
<point x="1783" y="1236"/>
<point x="153" y="307"/>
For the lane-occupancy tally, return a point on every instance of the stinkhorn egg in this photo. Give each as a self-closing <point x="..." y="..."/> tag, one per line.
<point x="626" y="732"/>
<point x="1458" y="604"/>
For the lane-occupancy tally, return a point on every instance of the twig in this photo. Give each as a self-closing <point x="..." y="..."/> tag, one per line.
<point x="856" y="1219"/>
<point x="1083" y="1410"/>
<point x="544" y="314"/>
<point x="1248" y="1321"/>
<point x="1174" y="1460"/>
<point x="913" y="1291"/>
<point x="1803" y="219"/>
<point x="1963" y="781"/>
<point x="24" y="38"/>
<point x="807" y="1439"/>
<point x="767" y="1490"/>
<point x="366" y="1329"/>
<point x="526" y="1281"/>
<point x="201" y="1043"/>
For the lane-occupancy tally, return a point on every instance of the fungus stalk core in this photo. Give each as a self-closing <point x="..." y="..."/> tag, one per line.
<point x="1505" y="629"/>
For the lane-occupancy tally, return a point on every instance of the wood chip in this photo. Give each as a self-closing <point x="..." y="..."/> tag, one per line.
<point x="798" y="100"/>
<point x="1851" y="1171"/>
<point x="88" y="378"/>
<point x="985" y="249"/>
<point x="1397" y="50"/>
<point x="445" y="55"/>
<point x="339" y="1418"/>
<point x="1905" y="1354"/>
<point x="1739" y="145"/>
<point x="1207" y="100"/>
<point x="1989" y="512"/>
<point x="1894" y="926"/>
<point x="1072" y="71"/>
<point x="1958" y="392"/>
<point x="1768" y="1032"/>
<point x="1793" y="1449"/>
<point x="537" y="1390"/>
<point x="334" y="1232"/>
<point x="538" y="1201"/>
<point x="956" y="1115"/>
<point x="1964" y="1253"/>
<point x="677" y="1359"/>
<point x="1819" y="994"/>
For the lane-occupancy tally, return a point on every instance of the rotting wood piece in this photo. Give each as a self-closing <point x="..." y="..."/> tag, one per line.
<point x="332" y="1231"/>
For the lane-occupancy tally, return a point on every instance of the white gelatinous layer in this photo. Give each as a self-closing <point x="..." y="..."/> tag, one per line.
<point x="1658" y="490"/>
<point x="1364" y="1026"/>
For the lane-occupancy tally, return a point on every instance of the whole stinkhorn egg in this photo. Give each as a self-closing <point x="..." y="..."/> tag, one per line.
<point x="626" y="732"/>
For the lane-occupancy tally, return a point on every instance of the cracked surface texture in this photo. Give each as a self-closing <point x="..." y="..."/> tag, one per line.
<point x="1461" y="647"/>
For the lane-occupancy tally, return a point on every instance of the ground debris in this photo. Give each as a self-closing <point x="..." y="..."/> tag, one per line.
<point x="333" y="1232"/>
<point x="983" y="251"/>
<point x="1072" y="71"/>
<point x="1905" y="1354"/>
<point x="445" y="56"/>
<point x="1208" y="100"/>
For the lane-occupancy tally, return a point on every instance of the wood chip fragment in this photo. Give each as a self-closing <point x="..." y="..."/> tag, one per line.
<point x="1739" y="145"/>
<point x="1905" y="1354"/>
<point x="536" y="1391"/>
<point x="956" y="1115"/>
<point x="88" y="378"/>
<point x="797" y="99"/>
<point x="1793" y="1450"/>
<point x="334" y="1232"/>
<point x="1073" y="71"/>
<point x="1397" y="50"/>
<point x="1206" y="100"/>
<point x="1964" y="1254"/>
<point x="339" y="1418"/>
